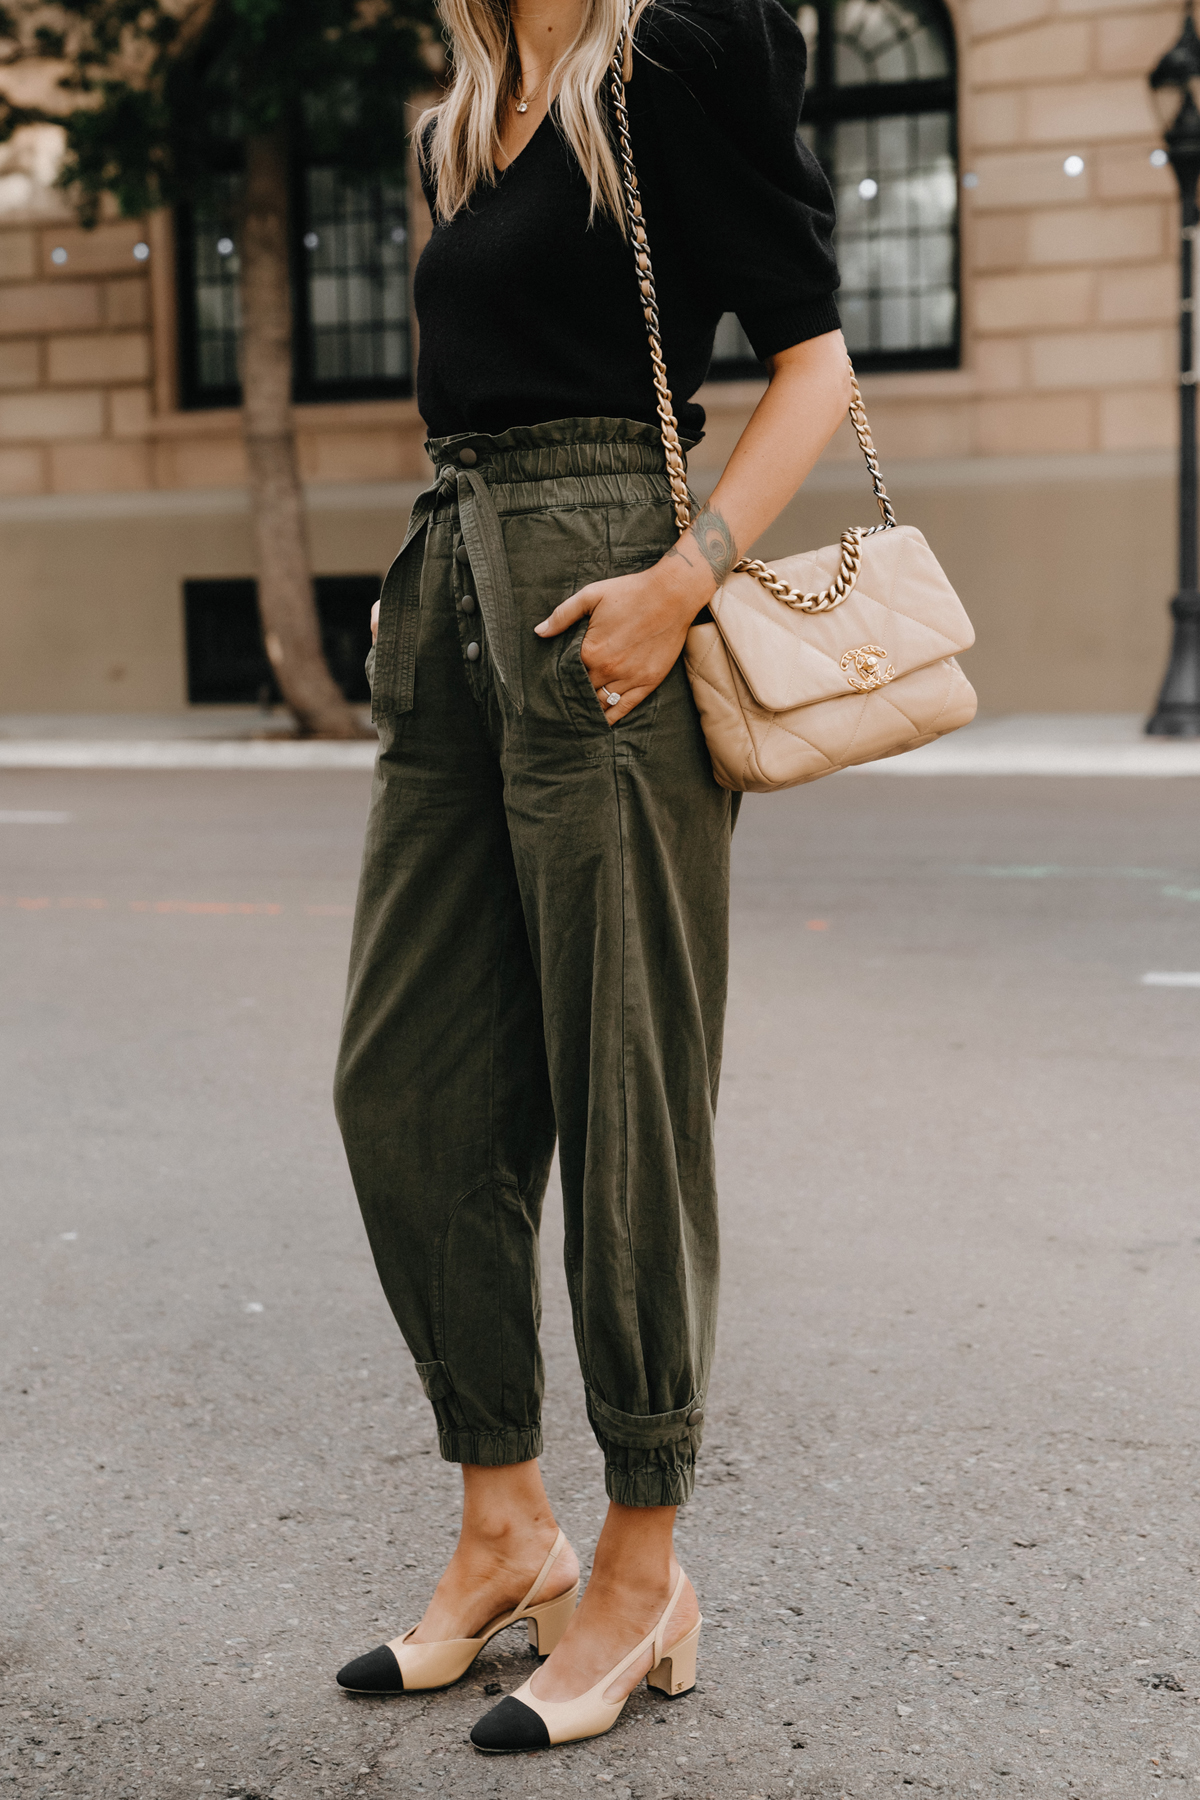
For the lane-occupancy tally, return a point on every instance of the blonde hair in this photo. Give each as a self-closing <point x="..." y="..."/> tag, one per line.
<point x="461" y="148"/>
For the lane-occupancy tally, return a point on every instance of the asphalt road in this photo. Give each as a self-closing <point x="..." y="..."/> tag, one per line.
<point x="946" y="1532"/>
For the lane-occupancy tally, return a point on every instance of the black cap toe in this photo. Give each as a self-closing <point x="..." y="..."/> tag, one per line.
<point x="376" y="1673"/>
<point x="510" y="1726"/>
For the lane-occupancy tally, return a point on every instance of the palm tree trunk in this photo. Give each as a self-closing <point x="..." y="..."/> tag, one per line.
<point x="285" y="591"/>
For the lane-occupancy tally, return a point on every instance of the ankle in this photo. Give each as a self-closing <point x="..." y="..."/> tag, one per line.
<point x="647" y="1578"/>
<point x="507" y="1535"/>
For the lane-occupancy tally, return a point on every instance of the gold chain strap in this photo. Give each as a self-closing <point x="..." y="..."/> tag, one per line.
<point x="866" y="443"/>
<point x="680" y="498"/>
<point x="847" y="576"/>
<point x="852" y="539"/>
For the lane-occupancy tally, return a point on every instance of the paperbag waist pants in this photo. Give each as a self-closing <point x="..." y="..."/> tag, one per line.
<point x="539" y="951"/>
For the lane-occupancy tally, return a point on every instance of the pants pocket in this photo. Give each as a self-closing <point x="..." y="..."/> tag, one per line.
<point x="600" y="739"/>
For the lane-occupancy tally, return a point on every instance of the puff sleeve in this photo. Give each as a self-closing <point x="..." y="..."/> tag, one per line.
<point x="720" y="84"/>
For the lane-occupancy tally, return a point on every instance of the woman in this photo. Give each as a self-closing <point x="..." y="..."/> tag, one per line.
<point x="540" y="944"/>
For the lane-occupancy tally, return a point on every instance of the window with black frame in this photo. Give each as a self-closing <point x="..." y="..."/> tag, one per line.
<point x="350" y="292"/>
<point x="881" y="114"/>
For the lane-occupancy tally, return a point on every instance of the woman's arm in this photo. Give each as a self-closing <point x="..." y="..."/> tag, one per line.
<point x="639" y="622"/>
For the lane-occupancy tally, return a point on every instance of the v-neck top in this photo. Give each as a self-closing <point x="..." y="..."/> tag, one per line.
<point x="527" y="313"/>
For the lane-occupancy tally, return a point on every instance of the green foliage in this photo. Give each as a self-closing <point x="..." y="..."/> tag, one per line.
<point x="156" y="100"/>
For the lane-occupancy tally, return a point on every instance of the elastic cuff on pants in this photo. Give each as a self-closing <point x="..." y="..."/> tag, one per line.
<point x="490" y="1449"/>
<point x="649" y="1458"/>
<point x="661" y="1480"/>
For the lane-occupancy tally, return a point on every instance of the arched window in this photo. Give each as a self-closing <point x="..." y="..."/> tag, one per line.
<point x="881" y="114"/>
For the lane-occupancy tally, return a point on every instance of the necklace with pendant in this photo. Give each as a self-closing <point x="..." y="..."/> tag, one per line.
<point x="523" y="102"/>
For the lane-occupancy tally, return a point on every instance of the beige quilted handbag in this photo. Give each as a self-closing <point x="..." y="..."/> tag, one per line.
<point x="840" y="656"/>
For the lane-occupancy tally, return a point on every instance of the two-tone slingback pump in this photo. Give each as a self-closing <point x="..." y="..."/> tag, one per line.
<point x="523" y="1722"/>
<point x="402" y="1667"/>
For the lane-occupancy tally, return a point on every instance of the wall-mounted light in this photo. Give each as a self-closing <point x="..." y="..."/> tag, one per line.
<point x="1074" y="165"/>
<point x="867" y="189"/>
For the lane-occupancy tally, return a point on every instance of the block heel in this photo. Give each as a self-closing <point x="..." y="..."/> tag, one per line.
<point x="676" y="1673"/>
<point x="548" y="1622"/>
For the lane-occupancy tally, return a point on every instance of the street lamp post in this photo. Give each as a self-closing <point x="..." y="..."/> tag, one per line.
<point x="1178" y="711"/>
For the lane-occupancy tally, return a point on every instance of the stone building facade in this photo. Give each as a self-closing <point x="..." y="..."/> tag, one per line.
<point x="1041" y="467"/>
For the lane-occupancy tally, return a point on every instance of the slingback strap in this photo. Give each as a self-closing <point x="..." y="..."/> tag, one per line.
<point x="654" y="1641"/>
<point x="543" y="1572"/>
<point x="621" y="68"/>
<point x="660" y="1630"/>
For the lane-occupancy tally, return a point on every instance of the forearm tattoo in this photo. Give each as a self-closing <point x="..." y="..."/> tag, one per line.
<point x="714" y="540"/>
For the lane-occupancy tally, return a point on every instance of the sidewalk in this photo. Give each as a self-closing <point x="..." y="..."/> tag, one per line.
<point x="202" y="737"/>
<point x="1050" y="744"/>
<point x="244" y="738"/>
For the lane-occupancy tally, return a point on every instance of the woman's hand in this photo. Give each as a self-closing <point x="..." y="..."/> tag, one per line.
<point x="375" y="622"/>
<point x="638" y="623"/>
<point x="636" y="629"/>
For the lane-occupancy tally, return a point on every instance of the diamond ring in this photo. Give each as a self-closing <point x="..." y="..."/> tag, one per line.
<point x="612" y="699"/>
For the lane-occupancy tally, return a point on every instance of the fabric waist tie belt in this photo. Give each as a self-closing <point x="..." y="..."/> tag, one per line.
<point x="605" y="463"/>
<point x="401" y="592"/>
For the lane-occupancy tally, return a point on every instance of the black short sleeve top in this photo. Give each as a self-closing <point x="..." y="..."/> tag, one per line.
<point x="528" y="313"/>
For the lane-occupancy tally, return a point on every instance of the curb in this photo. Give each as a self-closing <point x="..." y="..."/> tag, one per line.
<point x="32" y="753"/>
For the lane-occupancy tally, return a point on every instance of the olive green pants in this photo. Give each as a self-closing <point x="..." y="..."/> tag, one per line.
<point x="539" y="951"/>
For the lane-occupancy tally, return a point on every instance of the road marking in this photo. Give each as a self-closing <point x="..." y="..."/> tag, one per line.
<point x="35" y="818"/>
<point x="1047" y="871"/>
<point x="1059" y="871"/>
<point x="204" y="906"/>
<point x="1160" y="979"/>
<point x="30" y="904"/>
